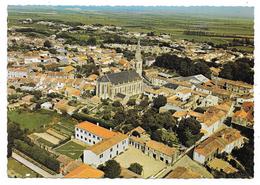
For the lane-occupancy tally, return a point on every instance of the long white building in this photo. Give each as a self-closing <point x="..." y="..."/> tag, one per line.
<point x="103" y="144"/>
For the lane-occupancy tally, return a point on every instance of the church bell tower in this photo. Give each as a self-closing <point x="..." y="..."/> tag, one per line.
<point x="138" y="59"/>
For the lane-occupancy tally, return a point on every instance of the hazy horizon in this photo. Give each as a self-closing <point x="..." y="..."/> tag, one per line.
<point x="239" y="12"/>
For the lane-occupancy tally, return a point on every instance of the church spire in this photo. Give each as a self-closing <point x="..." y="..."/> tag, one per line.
<point x="138" y="51"/>
<point x="138" y="59"/>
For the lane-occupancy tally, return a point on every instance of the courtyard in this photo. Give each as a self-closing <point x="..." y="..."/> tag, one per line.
<point x="133" y="155"/>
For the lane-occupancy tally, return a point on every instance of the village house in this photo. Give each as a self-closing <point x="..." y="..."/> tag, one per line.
<point x="18" y="72"/>
<point x="58" y="74"/>
<point x="159" y="151"/>
<point x="85" y="171"/>
<point x="245" y="116"/>
<point x="213" y="118"/>
<point x="237" y="87"/>
<point x="223" y="141"/>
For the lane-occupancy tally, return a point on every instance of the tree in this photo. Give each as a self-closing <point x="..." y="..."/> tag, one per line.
<point x="85" y="110"/>
<point x="119" y="117"/>
<point x="135" y="133"/>
<point x="92" y="41"/>
<point x="14" y="132"/>
<point x="238" y="70"/>
<point x="117" y="104"/>
<point x="136" y="168"/>
<point x="188" y="131"/>
<point x="159" y="101"/>
<point x="111" y="169"/>
<point x="131" y="102"/>
<point x="47" y="44"/>
<point x="144" y="103"/>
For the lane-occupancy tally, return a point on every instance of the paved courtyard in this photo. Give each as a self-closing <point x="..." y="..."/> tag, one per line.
<point x="132" y="155"/>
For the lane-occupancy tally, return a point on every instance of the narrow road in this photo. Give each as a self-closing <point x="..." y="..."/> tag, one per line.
<point x="31" y="165"/>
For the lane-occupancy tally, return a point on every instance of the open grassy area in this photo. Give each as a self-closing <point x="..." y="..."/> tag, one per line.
<point x="36" y="120"/>
<point x="71" y="149"/>
<point x="31" y="120"/>
<point x="19" y="170"/>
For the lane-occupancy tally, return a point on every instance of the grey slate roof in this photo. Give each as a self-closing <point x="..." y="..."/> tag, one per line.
<point x="121" y="77"/>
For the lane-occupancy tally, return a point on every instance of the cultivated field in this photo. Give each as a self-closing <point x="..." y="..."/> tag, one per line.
<point x="160" y="22"/>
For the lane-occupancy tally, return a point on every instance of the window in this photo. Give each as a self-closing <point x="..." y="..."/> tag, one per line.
<point x="101" y="155"/>
<point x="81" y="137"/>
<point x="117" y="146"/>
<point x="85" y="132"/>
<point x="89" y="134"/>
<point x="94" y="136"/>
<point x="77" y="129"/>
<point x="111" y="149"/>
<point x="77" y="135"/>
<point x="81" y="131"/>
<point x="98" y="138"/>
<point x="110" y="156"/>
<point x="85" y="139"/>
<point x="89" y="140"/>
<point x="94" y="142"/>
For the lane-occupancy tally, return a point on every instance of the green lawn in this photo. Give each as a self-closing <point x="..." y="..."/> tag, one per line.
<point x="36" y="120"/>
<point x="31" y="120"/>
<point x="19" y="170"/>
<point x="71" y="149"/>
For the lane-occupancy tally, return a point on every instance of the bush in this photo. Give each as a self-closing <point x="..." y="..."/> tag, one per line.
<point x="111" y="169"/>
<point x="136" y="168"/>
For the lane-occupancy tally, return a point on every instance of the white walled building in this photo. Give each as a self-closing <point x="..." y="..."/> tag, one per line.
<point x="18" y="73"/>
<point x="107" y="149"/>
<point x="104" y="144"/>
<point x="91" y="134"/>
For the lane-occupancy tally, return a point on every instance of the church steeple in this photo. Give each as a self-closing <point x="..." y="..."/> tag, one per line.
<point x="138" y="59"/>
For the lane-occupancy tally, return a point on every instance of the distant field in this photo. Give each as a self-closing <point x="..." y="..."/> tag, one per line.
<point x="36" y="120"/>
<point x="18" y="169"/>
<point x="174" y="24"/>
<point x="71" y="149"/>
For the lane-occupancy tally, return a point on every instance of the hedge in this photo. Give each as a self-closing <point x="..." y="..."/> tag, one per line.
<point x="38" y="154"/>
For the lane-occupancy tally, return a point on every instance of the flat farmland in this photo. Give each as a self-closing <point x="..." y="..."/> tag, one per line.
<point x="146" y="21"/>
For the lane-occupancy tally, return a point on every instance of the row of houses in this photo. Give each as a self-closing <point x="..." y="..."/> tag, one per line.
<point x="223" y="141"/>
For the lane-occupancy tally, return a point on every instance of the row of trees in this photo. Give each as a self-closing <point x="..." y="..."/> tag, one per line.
<point x="38" y="154"/>
<point x="183" y="66"/>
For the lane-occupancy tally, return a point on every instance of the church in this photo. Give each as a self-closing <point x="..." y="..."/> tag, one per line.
<point x="122" y="84"/>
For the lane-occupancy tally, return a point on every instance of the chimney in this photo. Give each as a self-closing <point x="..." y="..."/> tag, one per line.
<point x="97" y="123"/>
<point x="110" y="129"/>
